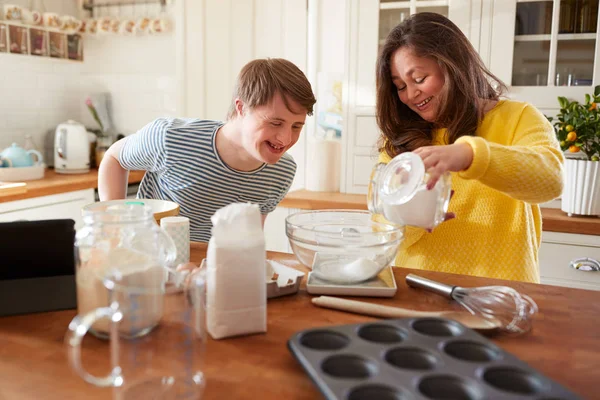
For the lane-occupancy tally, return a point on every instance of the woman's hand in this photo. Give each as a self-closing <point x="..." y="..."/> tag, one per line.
<point x="449" y="215"/>
<point x="440" y="159"/>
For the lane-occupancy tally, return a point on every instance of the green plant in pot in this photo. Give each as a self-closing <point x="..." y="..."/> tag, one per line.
<point x="577" y="128"/>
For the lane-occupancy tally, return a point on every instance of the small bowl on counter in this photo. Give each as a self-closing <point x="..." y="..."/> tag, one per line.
<point x="160" y="208"/>
<point x="343" y="246"/>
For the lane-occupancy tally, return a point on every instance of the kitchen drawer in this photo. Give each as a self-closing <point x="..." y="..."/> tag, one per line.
<point x="556" y="253"/>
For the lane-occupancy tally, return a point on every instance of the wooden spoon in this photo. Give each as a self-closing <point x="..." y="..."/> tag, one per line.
<point x="376" y="310"/>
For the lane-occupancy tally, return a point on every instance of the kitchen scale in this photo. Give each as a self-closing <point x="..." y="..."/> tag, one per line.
<point x="382" y="285"/>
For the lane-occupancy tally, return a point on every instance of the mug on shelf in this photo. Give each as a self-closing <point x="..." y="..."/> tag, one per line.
<point x="143" y="24"/>
<point x="71" y="25"/>
<point x="115" y="26"/>
<point x="52" y="20"/>
<point x="11" y="12"/>
<point x="104" y="24"/>
<point x="91" y="26"/>
<point x="159" y="25"/>
<point x="32" y="17"/>
<point x="128" y="27"/>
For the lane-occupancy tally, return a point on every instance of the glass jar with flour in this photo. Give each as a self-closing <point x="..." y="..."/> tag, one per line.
<point x="122" y="240"/>
<point x="398" y="191"/>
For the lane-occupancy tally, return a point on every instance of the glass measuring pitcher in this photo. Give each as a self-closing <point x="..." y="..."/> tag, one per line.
<point x="398" y="191"/>
<point x="123" y="238"/>
<point x="163" y="362"/>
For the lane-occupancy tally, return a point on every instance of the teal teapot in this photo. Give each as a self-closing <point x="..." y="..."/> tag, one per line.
<point x="15" y="156"/>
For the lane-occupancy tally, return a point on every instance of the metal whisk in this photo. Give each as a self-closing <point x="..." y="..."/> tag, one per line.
<point x="503" y="305"/>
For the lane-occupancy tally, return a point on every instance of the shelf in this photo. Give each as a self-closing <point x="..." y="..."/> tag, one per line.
<point x="532" y="38"/>
<point x="561" y="36"/>
<point x="403" y="5"/>
<point x="40" y="41"/>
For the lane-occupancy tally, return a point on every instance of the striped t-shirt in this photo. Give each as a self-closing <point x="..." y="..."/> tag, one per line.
<point x="183" y="166"/>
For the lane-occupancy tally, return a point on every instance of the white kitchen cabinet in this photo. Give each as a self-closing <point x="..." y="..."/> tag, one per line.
<point x="543" y="49"/>
<point x="558" y="250"/>
<point x="369" y="22"/>
<point x="57" y="206"/>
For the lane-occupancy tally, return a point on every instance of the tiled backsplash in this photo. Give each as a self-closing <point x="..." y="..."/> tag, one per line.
<point x="36" y="94"/>
<point x="139" y="73"/>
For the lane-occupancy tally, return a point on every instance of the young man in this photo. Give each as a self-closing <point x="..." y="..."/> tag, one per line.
<point x="204" y="165"/>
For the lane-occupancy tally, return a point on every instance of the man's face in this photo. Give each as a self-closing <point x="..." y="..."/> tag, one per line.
<point x="269" y="131"/>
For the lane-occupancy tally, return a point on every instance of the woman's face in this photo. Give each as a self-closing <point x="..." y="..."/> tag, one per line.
<point x="419" y="82"/>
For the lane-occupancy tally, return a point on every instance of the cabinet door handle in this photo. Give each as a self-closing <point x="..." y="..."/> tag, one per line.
<point x="585" y="264"/>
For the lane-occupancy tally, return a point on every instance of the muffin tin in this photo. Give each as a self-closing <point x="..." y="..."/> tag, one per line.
<point x="416" y="358"/>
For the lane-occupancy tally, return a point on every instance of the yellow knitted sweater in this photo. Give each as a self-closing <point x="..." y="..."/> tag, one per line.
<point x="517" y="164"/>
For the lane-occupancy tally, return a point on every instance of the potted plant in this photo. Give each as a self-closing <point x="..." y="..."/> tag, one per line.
<point x="578" y="131"/>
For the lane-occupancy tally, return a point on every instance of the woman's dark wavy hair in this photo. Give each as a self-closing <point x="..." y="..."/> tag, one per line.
<point x="467" y="83"/>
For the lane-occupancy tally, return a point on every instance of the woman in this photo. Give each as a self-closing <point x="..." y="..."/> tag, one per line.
<point x="435" y="98"/>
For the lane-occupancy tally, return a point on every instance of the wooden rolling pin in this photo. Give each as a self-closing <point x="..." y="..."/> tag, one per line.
<point x="377" y="310"/>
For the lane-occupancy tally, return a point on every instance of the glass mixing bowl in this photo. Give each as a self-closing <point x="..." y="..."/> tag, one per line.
<point x="343" y="246"/>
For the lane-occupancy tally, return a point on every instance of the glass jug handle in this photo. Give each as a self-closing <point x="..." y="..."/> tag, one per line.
<point x="169" y="248"/>
<point x="373" y="196"/>
<point x="78" y="328"/>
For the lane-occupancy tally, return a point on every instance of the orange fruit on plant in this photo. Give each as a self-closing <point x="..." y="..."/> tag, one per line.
<point x="569" y="128"/>
<point x="572" y="136"/>
<point x="593" y="106"/>
<point x="574" y="149"/>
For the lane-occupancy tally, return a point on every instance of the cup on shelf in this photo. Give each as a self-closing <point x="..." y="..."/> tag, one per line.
<point x="71" y="25"/>
<point x="128" y="27"/>
<point x="104" y="25"/>
<point x="11" y="12"/>
<point x="142" y="25"/>
<point x="115" y="26"/>
<point x="159" y="25"/>
<point x="32" y="17"/>
<point x="91" y="26"/>
<point x="52" y="20"/>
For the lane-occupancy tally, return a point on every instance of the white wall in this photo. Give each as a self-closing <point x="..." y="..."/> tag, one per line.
<point x="138" y="71"/>
<point x="36" y="94"/>
<point x="332" y="39"/>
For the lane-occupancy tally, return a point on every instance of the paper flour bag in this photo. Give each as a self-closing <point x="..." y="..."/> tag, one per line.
<point x="236" y="301"/>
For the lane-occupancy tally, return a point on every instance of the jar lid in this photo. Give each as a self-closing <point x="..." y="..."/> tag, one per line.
<point x="401" y="178"/>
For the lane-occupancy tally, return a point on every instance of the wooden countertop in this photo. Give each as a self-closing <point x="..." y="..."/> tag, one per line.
<point x="554" y="220"/>
<point x="54" y="183"/>
<point x="563" y="344"/>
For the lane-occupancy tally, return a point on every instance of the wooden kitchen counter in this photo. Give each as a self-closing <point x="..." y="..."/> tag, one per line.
<point x="563" y="345"/>
<point x="554" y="220"/>
<point x="54" y="183"/>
